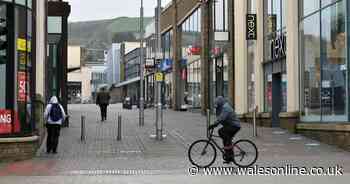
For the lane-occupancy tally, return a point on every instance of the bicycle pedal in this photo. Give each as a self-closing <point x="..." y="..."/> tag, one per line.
<point x="227" y="162"/>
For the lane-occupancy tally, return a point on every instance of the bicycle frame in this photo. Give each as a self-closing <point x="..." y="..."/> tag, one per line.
<point x="210" y="139"/>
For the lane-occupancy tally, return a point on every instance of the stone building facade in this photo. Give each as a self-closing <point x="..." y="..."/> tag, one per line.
<point x="264" y="55"/>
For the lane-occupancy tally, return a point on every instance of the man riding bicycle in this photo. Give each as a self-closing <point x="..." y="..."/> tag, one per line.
<point x="227" y="117"/>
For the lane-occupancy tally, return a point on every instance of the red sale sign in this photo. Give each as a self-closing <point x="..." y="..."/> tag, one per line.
<point x="5" y="121"/>
<point x="22" y="86"/>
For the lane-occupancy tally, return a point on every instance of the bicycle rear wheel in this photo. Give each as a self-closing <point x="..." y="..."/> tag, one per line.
<point x="245" y="153"/>
<point x="202" y="153"/>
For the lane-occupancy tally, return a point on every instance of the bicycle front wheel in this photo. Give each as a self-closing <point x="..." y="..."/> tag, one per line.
<point x="202" y="153"/>
<point x="245" y="153"/>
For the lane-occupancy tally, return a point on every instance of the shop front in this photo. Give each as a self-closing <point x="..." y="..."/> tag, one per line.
<point x="324" y="61"/>
<point x="191" y="60"/>
<point x="324" y="76"/>
<point x="166" y="67"/>
<point x="219" y="52"/>
<point x="17" y="88"/>
<point x="22" y="58"/>
<point x="275" y="63"/>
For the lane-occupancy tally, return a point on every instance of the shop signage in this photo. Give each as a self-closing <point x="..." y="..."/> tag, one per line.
<point x="271" y="23"/>
<point x="216" y="51"/>
<point x="184" y="74"/>
<point x="251" y="27"/>
<point x="222" y="36"/>
<point x="278" y="47"/>
<point x="149" y="63"/>
<point x="22" y="80"/>
<point x="194" y="50"/>
<point x="8" y="123"/>
<point x="166" y="64"/>
<point x="23" y="45"/>
<point x="22" y="60"/>
<point x="5" y="121"/>
<point x="159" y="76"/>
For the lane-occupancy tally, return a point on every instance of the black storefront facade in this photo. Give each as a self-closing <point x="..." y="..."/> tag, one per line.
<point x="56" y="67"/>
<point x="17" y="64"/>
<point x="275" y="79"/>
<point x="20" y="100"/>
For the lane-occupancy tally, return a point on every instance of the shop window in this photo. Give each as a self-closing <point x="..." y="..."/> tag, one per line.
<point x="220" y="13"/>
<point x="324" y="62"/>
<point x="268" y="93"/>
<point x="334" y="69"/>
<point x="54" y="25"/>
<point x="21" y="2"/>
<point x="327" y="2"/>
<point x="3" y="54"/>
<point x="310" y="6"/>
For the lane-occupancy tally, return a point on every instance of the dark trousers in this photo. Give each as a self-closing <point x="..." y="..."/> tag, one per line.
<point x="53" y="133"/>
<point x="227" y="133"/>
<point x="103" y="108"/>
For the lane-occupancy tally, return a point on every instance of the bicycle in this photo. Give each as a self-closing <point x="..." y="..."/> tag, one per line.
<point x="241" y="153"/>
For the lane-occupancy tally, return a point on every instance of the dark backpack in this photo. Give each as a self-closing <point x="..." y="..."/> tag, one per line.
<point x="56" y="112"/>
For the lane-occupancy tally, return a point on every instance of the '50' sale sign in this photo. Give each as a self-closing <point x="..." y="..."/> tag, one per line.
<point x="22" y="82"/>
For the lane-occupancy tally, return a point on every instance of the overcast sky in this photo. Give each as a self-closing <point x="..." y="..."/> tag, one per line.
<point x="83" y="10"/>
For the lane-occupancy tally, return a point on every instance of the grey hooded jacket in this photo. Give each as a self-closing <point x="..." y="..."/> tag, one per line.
<point x="226" y="116"/>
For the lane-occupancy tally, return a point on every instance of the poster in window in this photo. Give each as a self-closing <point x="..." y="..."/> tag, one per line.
<point x="271" y="23"/>
<point x="22" y="61"/>
<point x="6" y="122"/>
<point x="22" y="82"/>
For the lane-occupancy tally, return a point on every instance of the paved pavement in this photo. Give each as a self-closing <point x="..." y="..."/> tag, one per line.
<point x="137" y="153"/>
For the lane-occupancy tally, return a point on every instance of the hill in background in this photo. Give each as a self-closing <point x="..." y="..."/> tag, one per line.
<point x="102" y="33"/>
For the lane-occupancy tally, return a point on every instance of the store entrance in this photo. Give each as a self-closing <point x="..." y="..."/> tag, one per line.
<point x="276" y="99"/>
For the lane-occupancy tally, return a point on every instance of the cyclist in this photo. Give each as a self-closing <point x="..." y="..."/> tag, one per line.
<point x="227" y="117"/>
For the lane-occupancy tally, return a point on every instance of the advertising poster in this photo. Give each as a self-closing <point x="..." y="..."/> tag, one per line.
<point x="22" y="80"/>
<point x="6" y="122"/>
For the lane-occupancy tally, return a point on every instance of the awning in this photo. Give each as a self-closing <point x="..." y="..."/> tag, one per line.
<point x="128" y="82"/>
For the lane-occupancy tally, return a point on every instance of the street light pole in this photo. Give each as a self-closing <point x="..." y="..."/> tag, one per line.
<point x="142" y="68"/>
<point x="159" y="112"/>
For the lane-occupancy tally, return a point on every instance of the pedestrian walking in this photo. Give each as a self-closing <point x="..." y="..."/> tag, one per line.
<point x="54" y="116"/>
<point x="102" y="100"/>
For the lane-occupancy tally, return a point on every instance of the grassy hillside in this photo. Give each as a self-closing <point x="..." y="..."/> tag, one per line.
<point x="99" y="34"/>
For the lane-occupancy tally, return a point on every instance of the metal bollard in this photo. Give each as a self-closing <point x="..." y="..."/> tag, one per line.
<point x="208" y="121"/>
<point x="82" y="136"/>
<point x="119" y="136"/>
<point x="255" y="134"/>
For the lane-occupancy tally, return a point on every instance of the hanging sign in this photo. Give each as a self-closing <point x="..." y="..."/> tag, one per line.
<point x="159" y="76"/>
<point x="251" y="27"/>
<point x="166" y="64"/>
